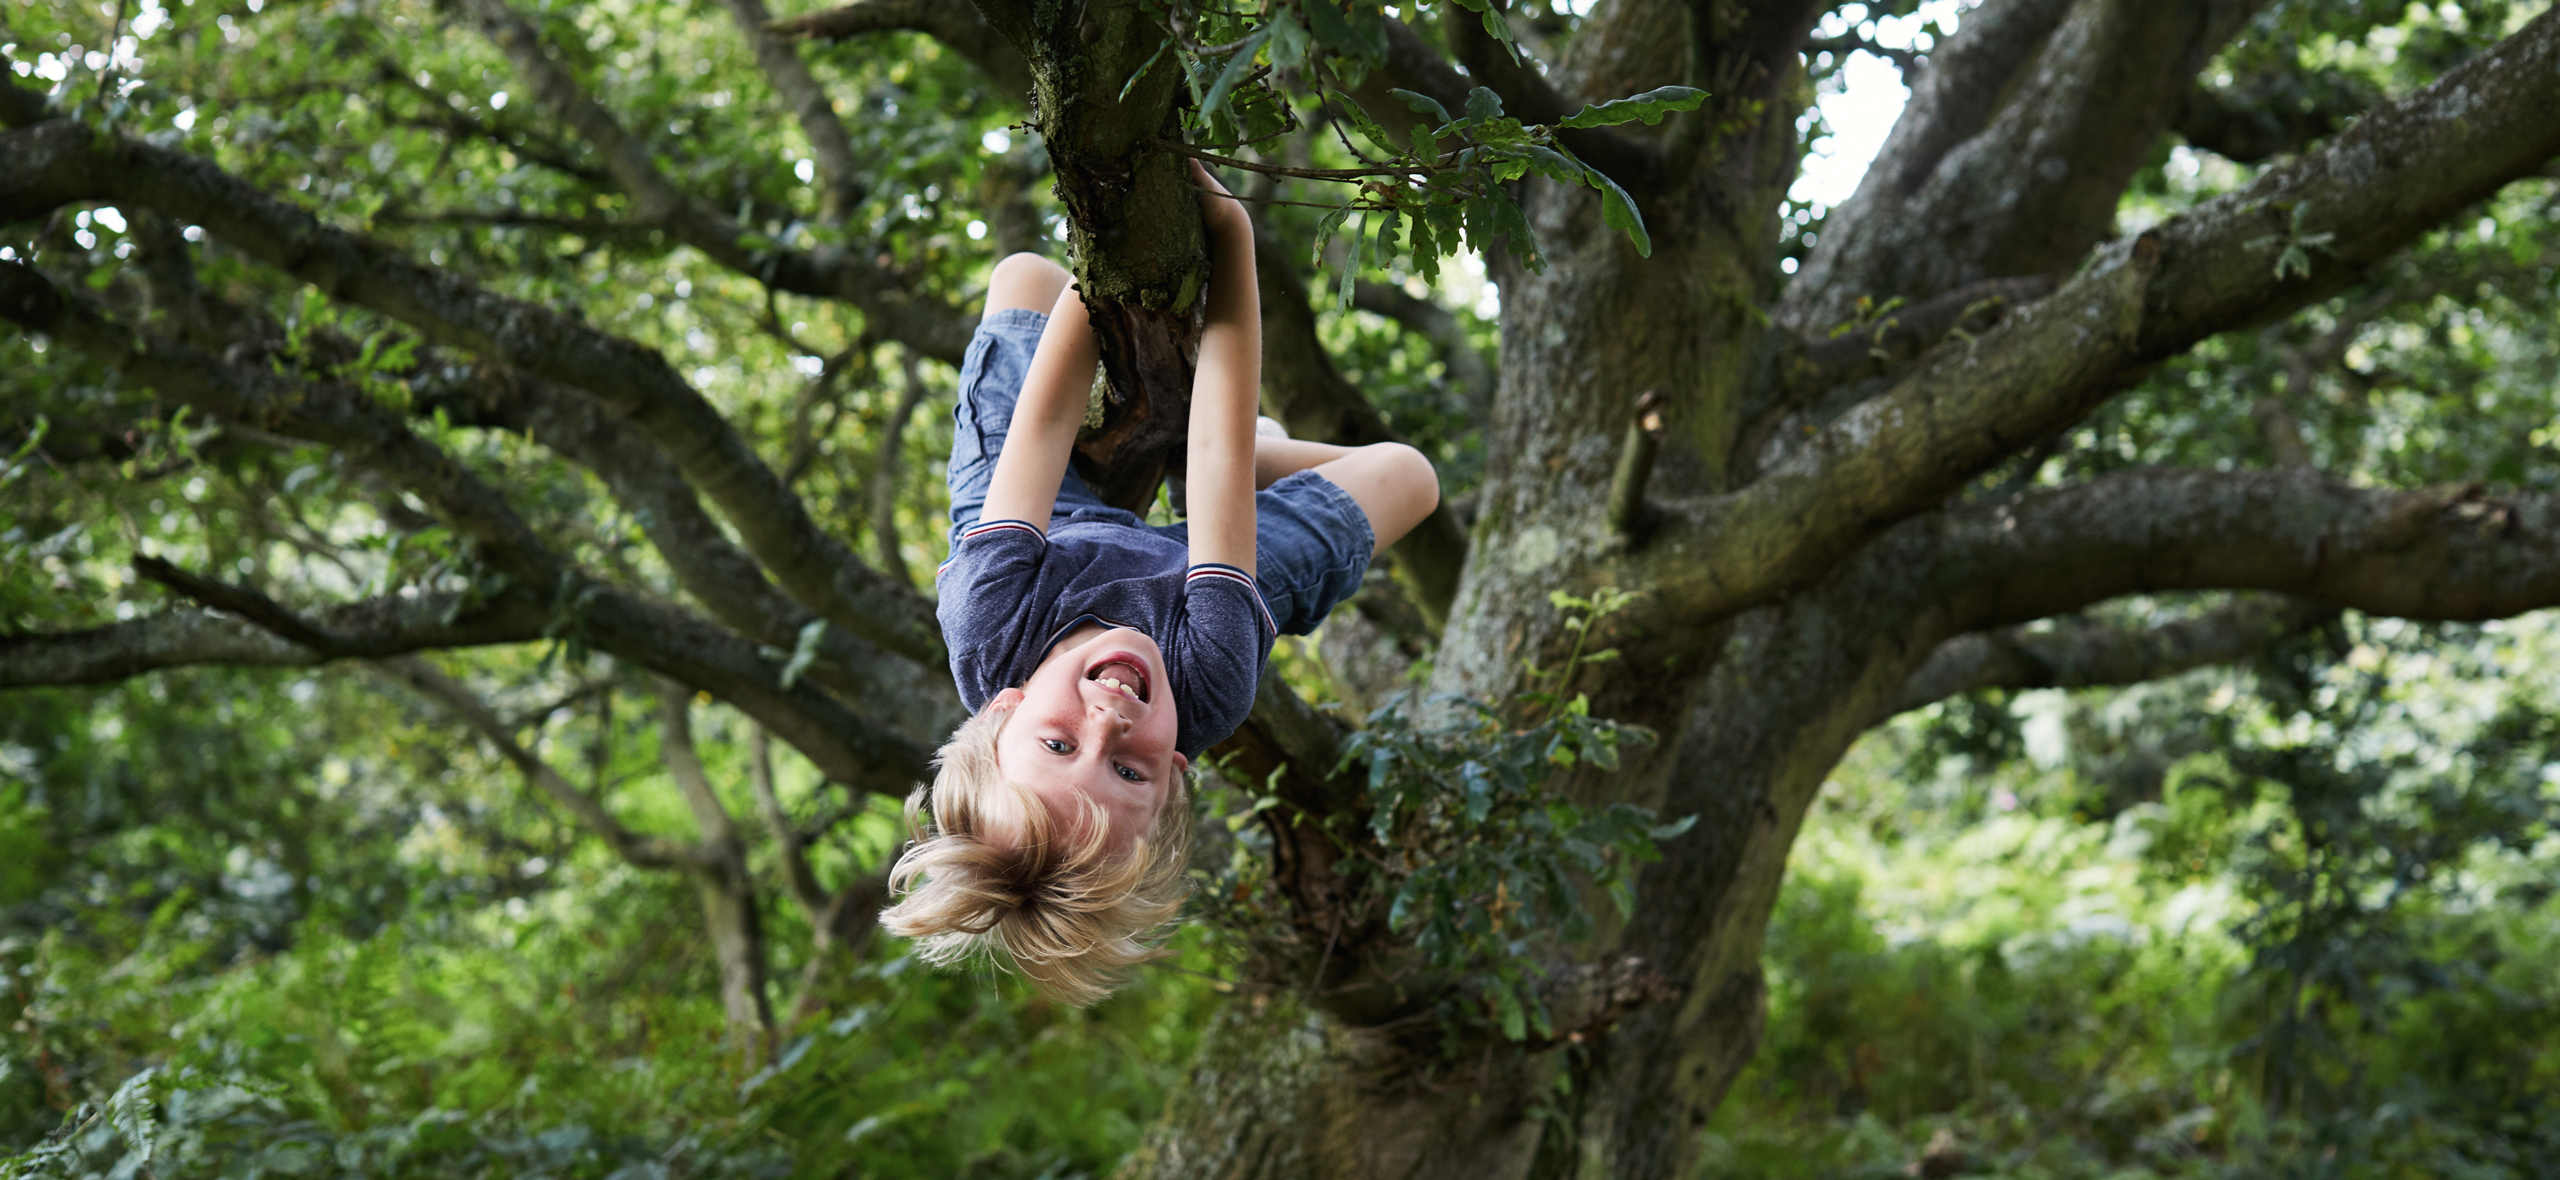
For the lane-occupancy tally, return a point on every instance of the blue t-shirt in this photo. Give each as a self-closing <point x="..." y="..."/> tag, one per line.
<point x="1007" y="594"/>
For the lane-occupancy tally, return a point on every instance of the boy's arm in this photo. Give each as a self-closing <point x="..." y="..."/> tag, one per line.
<point x="1226" y="390"/>
<point x="1042" y="436"/>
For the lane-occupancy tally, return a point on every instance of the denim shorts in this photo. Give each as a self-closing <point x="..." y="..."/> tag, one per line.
<point x="1311" y="540"/>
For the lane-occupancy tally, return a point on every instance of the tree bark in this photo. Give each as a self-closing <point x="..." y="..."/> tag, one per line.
<point x="1134" y="229"/>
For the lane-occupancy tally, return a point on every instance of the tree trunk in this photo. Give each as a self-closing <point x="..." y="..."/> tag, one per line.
<point x="1134" y="231"/>
<point x="1280" y="1092"/>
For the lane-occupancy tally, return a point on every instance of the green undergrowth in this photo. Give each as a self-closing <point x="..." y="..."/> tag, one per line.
<point x="2180" y="932"/>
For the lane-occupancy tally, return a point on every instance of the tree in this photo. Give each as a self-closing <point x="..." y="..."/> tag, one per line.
<point x="1846" y="463"/>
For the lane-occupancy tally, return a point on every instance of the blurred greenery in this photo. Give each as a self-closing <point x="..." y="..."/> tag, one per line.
<point x="2300" y="918"/>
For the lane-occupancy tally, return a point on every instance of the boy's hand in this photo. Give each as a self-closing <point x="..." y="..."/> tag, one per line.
<point x="1223" y="212"/>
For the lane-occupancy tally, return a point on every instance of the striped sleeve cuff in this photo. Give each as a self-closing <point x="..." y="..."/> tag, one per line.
<point x="1213" y="570"/>
<point x="987" y="528"/>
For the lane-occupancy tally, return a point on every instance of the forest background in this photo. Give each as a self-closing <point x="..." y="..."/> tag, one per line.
<point x="2285" y="907"/>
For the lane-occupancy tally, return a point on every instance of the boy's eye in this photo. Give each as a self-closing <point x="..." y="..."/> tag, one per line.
<point x="1130" y="774"/>
<point x="1057" y="747"/>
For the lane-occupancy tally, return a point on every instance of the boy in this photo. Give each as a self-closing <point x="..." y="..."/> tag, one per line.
<point x="1099" y="655"/>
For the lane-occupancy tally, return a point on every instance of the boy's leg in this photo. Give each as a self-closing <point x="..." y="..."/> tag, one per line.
<point x="1394" y="484"/>
<point x="1019" y="295"/>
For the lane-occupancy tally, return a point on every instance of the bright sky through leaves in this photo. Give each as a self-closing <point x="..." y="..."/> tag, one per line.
<point x="1870" y="98"/>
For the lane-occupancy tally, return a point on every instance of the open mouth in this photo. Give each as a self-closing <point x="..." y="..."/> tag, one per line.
<point x="1121" y="674"/>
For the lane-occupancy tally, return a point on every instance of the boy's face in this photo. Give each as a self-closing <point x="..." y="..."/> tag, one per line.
<point x="1096" y="721"/>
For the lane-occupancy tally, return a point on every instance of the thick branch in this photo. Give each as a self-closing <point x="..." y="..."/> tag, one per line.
<point x="829" y="146"/>
<point x="673" y="642"/>
<point x="2442" y="553"/>
<point x="729" y="911"/>
<point x="1898" y="337"/>
<point x="915" y="698"/>
<point x="1970" y="404"/>
<point x="847" y="274"/>
<point x="56" y="163"/>
<point x="2080" y="654"/>
<point x="1819" y="379"/>
<point x="955" y="23"/>
<point x="2039" y="109"/>
<point x="376" y="628"/>
<point x="675" y="742"/>
<point x="340" y="415"/>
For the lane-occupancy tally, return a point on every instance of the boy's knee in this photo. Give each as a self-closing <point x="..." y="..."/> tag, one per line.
<point x="1027" y="265"/>
<point x="1026" y="280"/>
<point x="1412" y="472"/>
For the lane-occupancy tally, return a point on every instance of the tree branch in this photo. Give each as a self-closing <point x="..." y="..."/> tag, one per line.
<point x="1968" y="405"/>
<point x="914" y="698"/>
<point x="675" y="739"/>
<point x="834" y="273"/>
<point x="375" y="628"/>
<point x="2079" y="654"/>
<point x="56" y="163"/>
<point x="801" y="882"/>
<point x="648" y="852"/>
<point x="2441" y="553"/>
<point x="246" y="603"/>
<point x="2042" y="109"/>
<point x="730" y="914"/>
<point x="955" y="23"/>
<point x="829" y="146"/>
<point x="844" y="745"/>
<point x="885" y="467"/>
<point x="1820" y="378"/>
<point x="1905" y="60"/>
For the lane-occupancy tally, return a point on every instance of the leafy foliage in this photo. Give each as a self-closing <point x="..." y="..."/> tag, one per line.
<point x="1483" y="865"/>
<point x="1449" y="176"/>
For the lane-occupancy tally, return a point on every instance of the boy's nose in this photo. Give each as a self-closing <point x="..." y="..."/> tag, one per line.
<point x="1112" y="717"/>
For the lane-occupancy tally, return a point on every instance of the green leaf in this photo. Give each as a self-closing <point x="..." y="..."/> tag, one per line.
<point x="1649" y="106"/>
<point x="1331" y="28"/>
<point x="1619" y="211"/>
<point x="1423" y="104"/>
<point x="1555" y="165"/>
<point x="804" y="652"/>
<point x="1425" y="249"/>
<point x="1141" y="73"/>
<point x="1506" y="1008"/>
<point x="1288" y="40"/>
<point x="1483" y="104"/>
<point x="1215" y="101"/>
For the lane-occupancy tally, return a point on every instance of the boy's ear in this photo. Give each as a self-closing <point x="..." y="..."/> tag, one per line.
<point x="1006" y="699"/>
<point x="1181" y="765"/>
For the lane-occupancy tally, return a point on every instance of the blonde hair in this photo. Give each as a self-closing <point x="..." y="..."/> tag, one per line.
<point x="1071" y="916"/>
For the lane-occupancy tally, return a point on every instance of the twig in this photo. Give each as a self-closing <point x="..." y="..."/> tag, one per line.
<point x="1906" y="60"/>
<point x="1182" y="148"/>
<point x="242" y="601"/>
